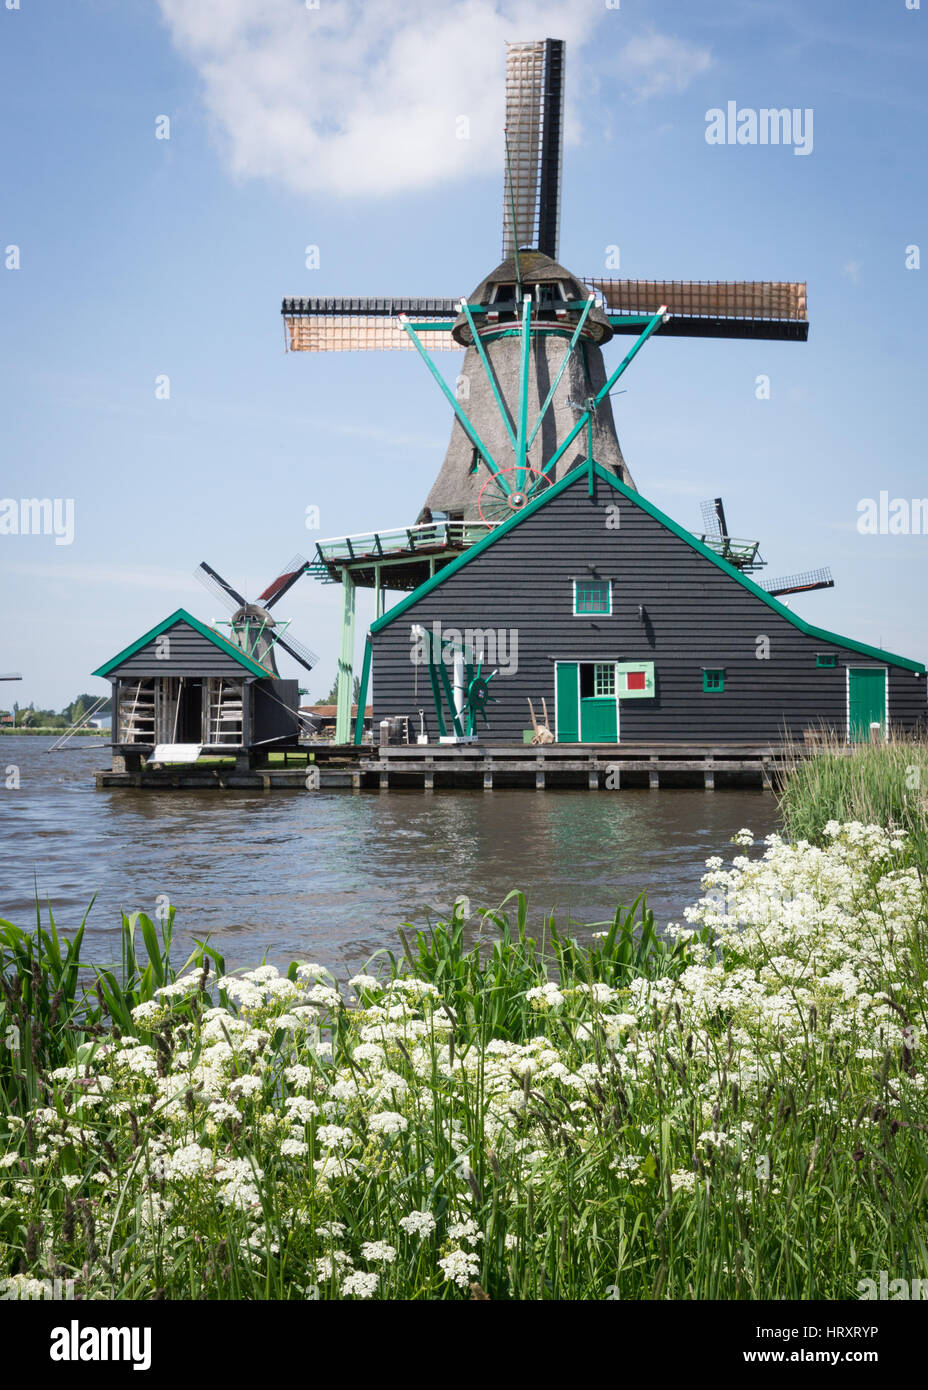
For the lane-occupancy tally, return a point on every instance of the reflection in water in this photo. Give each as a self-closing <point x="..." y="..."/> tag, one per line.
<point x="329" y="875"/>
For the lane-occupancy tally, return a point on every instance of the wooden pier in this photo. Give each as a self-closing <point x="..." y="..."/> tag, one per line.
<point x="431" y="767"/>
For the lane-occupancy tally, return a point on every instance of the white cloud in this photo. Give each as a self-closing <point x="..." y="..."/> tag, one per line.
<point x="363" y="96"/>
<point x="655" y="64"/>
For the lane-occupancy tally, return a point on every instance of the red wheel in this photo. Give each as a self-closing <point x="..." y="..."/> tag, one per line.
<point x="500" y="497"/>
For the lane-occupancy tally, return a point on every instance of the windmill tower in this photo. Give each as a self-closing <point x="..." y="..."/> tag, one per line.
<point x="532" y="400"/>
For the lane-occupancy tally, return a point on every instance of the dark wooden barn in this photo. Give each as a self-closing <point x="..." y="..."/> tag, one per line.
<point x="632" y="630"/>
<point x="184" y="686"/>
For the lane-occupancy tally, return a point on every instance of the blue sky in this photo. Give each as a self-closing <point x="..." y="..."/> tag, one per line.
<point x="290" y="126"/>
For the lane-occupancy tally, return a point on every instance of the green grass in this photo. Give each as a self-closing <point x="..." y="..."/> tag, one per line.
<point x="878" y="784"/>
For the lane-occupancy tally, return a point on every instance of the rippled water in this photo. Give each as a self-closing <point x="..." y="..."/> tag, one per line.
<point x="329" y="875"/>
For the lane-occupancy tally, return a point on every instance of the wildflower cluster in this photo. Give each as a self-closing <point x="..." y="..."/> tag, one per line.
<point x="675" y="1135"/>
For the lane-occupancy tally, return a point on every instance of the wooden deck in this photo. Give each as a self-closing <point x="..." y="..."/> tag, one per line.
<point x="429" y="767"/>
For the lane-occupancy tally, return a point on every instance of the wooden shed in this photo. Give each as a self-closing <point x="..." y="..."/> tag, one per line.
<point x="184" y="688"/>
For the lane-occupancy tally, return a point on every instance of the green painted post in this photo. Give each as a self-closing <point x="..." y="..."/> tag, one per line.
<point x="523" y="393"/>
<point x="345" y="662"/>
<point x="436" y="697"/>
<point x="362" y="693"/>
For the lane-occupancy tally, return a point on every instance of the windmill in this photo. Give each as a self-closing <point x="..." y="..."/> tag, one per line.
<point x="745" y="555"/>
<point x="532" y="325"/>
<point x="252" y="627"/>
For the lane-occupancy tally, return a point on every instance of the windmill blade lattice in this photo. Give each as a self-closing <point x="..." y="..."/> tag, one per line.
<point x="343" y="324"/>
<point x="710" y="518"/>
<point x="298" y="650"/>
<point x="798" y="583"/>
<point x="534" y="143"/>
<point x="284" y="581"/>
<point x="711" y="308"/>
<point x="215" y="584"/>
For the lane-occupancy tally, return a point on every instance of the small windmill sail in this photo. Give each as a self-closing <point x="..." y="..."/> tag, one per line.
<point x="798" y="583"/>
<point x="253" y="627"/>
<point x="745" y="555"/>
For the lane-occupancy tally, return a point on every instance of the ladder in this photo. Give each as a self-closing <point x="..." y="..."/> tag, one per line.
<point x="225" y="712"/>
<point x="137" y="724"/>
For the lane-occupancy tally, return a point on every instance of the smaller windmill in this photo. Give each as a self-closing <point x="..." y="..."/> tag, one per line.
<point x="253" y="628"/>
<point x="745" y="555"/>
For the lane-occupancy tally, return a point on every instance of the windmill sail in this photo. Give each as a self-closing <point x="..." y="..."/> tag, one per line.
<point x="217" y="586"/>
<point x="534" y="144"/>
<point x="284" y="581"/>
<point x="798" y="583"/>
<point x="298" y="650"/>
<point x="711" y="308"/>
<point x="341" y="324"/>
<point x="711" y="524"/>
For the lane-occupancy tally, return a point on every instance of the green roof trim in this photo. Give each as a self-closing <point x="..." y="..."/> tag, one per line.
<point x="182" y="616"/>
<point x="581" y="474"/>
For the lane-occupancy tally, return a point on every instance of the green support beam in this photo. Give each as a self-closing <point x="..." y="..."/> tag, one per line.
<point x="560" y="371"/>
<point x="653" y="324"/>
<point x="491" y="375"/>
<point x="345" y="661"/>
<point x="362" y="693"/>
<point x="521" y="447"/>
<point x="455" y="404"/>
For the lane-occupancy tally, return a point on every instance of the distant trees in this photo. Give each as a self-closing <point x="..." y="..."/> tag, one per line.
<point x="332" y="697"/>
<point x="81" y="704"/>
<point x="28" y="717"/>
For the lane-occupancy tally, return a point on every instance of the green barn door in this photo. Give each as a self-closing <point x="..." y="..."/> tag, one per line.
<point x="866" y="701"/>
<point x="567" y="714"/>
<point x="599" y="710"/>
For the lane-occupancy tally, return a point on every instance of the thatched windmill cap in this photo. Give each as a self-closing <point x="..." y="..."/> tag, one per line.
<point x="535" y="268"/>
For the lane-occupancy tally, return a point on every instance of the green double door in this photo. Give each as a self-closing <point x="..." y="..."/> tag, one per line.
<point x="587" y="703"/>
<point x="866" y="701"/>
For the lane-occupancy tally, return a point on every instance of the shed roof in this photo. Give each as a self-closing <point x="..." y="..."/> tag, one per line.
<point x="181" y="615"/>
<point x="581" y="475"/>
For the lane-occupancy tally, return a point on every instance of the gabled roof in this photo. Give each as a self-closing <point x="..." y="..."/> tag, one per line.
<point x="182" y="616"/>
<point x="581" y="475"/>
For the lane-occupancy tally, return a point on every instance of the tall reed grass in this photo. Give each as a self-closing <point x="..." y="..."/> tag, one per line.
<point x="877" y="783"/>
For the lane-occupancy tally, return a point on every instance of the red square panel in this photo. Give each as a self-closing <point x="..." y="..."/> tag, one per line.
<point x="635" y="680"/>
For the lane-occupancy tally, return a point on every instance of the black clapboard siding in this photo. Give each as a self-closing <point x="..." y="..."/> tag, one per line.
<point x="275" y="709"/>
<point x="697" y="615"/>
<point x="191" y="654"/>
